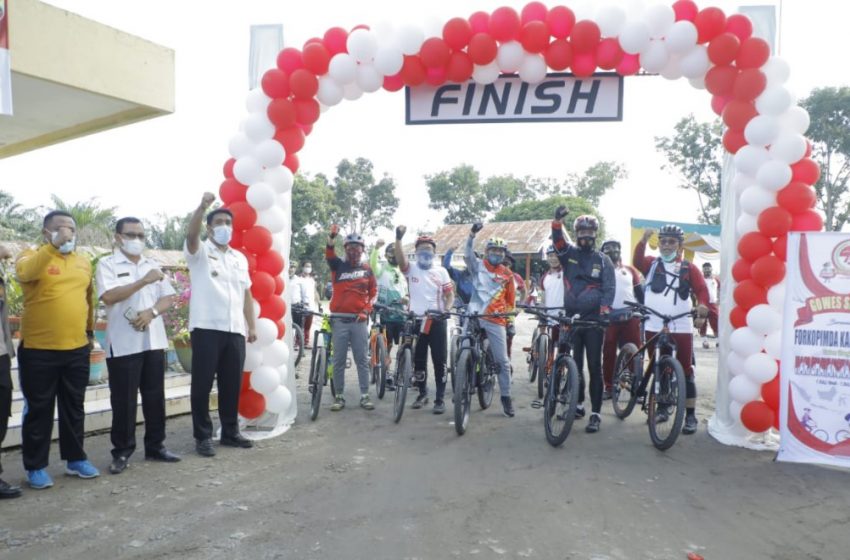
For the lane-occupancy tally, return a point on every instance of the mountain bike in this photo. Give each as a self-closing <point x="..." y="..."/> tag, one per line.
<point x="378" y="354"/>
<point x="538" y="351"/>
<point x="321" y="360"/>
<point x="454" y="343"/>
<point x="661" y="384"/>
<point x="298" y="311"/>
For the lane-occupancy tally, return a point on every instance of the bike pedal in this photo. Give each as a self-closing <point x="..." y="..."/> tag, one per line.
<point x="536" y="404"/>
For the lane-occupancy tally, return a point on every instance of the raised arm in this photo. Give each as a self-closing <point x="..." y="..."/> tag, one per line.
<point x="559" y="240"/>
<point x="639" y="260"/>
<point x="469" y="250"/>
<point x="193" y="233"/>
<point x="400" y="258"/>
<point x="330" y="250"/>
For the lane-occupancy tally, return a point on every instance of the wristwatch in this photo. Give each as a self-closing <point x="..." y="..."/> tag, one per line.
<point x="155" y="312"/>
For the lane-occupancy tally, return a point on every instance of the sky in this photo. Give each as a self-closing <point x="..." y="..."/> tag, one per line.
<point x="165" y="164"/>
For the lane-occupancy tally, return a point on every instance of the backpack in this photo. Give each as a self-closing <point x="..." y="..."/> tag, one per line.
<point x="663" y="282"/>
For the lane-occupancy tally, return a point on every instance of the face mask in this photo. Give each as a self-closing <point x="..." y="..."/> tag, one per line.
<point x="614" y="256"/>
<point x="391" y="259"/>
<point x="354" y="255"/>
<point x="66" y="247"/>
<point x="495" y="260"/>
<point x="133" y="247"/>
<point x="308" y="269"/>
<point x="222" y="234"/>
<point x="706" y="273"/>
<point x="586" y="243"/>
<point x="668" y="258"/>
<point x="424" y="260"/>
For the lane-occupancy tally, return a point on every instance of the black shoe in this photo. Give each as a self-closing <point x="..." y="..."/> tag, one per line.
<point x="420" y="401"/>
<point x="237" y="440"/>
<point x="580" y="411"/>
<point x="204" y="447"/>
<point x="389" y="385"/>
<point x="439" y="407"/>
<point x="163" y="455"/>
<point x="119" y="465"/>
<point x="691" y="424"/>
<point x="593" y="424"/>
<point x="606" y="395"/>
<point x="661" y="415"/>
<point x="507" y="407"/>
<point x="8" y="492"/>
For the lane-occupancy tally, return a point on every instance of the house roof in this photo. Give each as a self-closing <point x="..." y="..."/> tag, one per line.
<point x="523" y="238"/>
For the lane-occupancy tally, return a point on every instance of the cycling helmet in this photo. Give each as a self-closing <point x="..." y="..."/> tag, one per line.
<point x="611" y="245"/>
<point x="671" y="230"/>
<point x="586" y="222"/>
<point x="497" y="243"/>
<point x="354" y="238"/>
<point x="425" y="238"/>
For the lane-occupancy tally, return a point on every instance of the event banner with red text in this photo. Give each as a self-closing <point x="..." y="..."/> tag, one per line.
<point x="5" y="63"/>
<point x="815" y="377"/>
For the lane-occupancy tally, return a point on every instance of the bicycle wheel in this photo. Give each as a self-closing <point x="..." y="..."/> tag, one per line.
<point x="559" y="408"/>
<point x="462" y="393"/>
<point x="404" y="371"/>
<point x="542" y="360"/>
<point x="317" y="383"/>
<point x="533" y="358"/>
<point x="488" y="369"/>
<point x="297" y="343"/>
<point x="670" y="397"/>
<point x="454" y="348"/>
<point x="821" y="435"/>
<point x="379" y="370"/>
<point x="627" y="376"/>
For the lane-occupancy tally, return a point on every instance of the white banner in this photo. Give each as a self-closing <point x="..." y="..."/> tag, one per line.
<point x="814" y="417"/>
<point x="5" y="63"/>
<point x="559" y="97"/>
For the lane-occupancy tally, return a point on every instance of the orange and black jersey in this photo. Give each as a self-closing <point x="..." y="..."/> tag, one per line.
<point x="354" y="287"/>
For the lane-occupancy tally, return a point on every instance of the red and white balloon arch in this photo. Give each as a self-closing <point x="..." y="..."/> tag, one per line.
<point x="773" y="172"/>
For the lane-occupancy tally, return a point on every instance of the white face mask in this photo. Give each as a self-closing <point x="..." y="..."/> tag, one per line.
<point x="222" y="234"/>
<point x="66" y="247"/>
<point x="133" y="247"/>
<point x="308" y="269"/>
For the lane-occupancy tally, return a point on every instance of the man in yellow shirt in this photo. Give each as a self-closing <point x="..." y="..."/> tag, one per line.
<point x="53" y="357"/>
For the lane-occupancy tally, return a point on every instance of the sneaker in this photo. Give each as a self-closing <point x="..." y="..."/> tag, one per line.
<point x="39" y="479"/>
<point x="420" y="401"/>
<point x="691" y="424"/>
<point x="580" y="411"/>
<point x="593" y="424"/>
<point x="439" y="407"/>
<point x="390" y="384"/>
<point x="606" y="395"/>
<point x="507" y="407"/>
<point x="339" y="404"/>
<point x="661" y="414"/>
<point x="366" y="403"/>
<point x="83" y="469"/>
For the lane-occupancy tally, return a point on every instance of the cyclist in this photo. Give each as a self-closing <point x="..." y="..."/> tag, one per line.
<point x="552" y="284"/>
<point x="623" y="328"/>
<point x="670" y="282"/>
<point x="589" y="292"/>
<point x="392" y="289"/>
<point x="519" y="290"/>
<point x="430" y="288"/>
<point x="713" y="284"/>
<point x="807" y="421"/>
<point x="309" y="298"/>
<point x="493" y="292"/>
<point x="354" y="290"/>
<point x="461" y="278"/>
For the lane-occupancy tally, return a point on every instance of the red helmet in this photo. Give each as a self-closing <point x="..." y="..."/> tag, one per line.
<point x="425" y="239"/>
<point x="586" y="222"/>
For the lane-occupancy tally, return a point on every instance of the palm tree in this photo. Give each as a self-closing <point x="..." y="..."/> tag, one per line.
<point x="17" y="222"/>
<point x="169" y="232"/>
<point x="94" y="224"/>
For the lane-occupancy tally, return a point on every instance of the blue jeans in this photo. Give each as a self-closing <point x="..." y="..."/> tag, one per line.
<point x="499" y="347"/>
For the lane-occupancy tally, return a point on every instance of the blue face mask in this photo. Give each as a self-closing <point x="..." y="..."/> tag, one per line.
<point x="668" y="258"/>
<point x="495" y="260"/>
<point x="424" y="260"/>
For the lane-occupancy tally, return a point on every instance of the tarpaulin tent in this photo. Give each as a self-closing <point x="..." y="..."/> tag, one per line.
<point x="699" y="238"/>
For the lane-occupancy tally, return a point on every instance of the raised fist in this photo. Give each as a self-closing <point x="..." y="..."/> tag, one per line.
<point x="561" y="212"/>
<point x="334" y="231"/>
<point x="400" y="231"/>
<point x="476" y="227"/>
<point x="647" y="233"/>
<point x="207" y="200"/>
<point x="379" y="243"/>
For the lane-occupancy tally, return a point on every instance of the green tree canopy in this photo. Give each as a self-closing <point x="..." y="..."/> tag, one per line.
<point x="545" y="210"/>
<point x="95" y="225"/>
<point x="17" y="222"/>
<point x="459" y="193"/>
<point x="363" y="204"/>
<point x="168" y="232"/>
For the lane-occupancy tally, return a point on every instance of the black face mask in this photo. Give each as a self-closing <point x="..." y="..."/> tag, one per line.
<point x="586" y="243"/>
<point x="614" y="256"/>
<point x="391" y="259"/>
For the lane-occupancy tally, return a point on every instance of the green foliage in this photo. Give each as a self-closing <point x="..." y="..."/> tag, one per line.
<point x="95" y="225"/>
<point x="17" y="222"/>
<point x="695" y="152"/>
<point x="459" y="193"/>
<point x="168" y="232"/>
<point x="545" y="210"/>
<point x="362" y="204"/>
<point x="596" y="180"/>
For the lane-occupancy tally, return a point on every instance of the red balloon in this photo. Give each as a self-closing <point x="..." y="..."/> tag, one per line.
<point x="720" y="80"/>
<point x="281" y="113"/>
<point x="456" y="33"/>
<point x="244" y="215"/>
<point x="291" y="138"/>
<point x="278" y="285"/>
<point x="609" y="54"/>
<point x="480" y="22"/>
<point x="504" y="24"/>
<point x="808" y="148"/>
<point x="754" y="245"/>
<point x="290" y="60"/>
<point x="435" y="53"/>
<point x="741" y="270"/>
<point x="768" y="271"/>
<point x="413" y="72"/>
<point x="228" y="168"/>
<point x="303" y="84"/>
<point x="685" y="10"/>
<point x="360" y="26"/>
<point x="718" y="103"/>
<point x="246" y="382"/>
<point x="251" y="404"/>
<point x="270" y="262"/>
<point x="756" y="416"/>
<point x="310" y="41"/>
<point x="710" y="23"/>
<point x="335" y="40"/>
<point x="749" y="84"/>
<point x="231" y="191"/>
<point x="770" y="393"/>
<point x="316" y="58"/>
<point x="292" y="162"/>
<point x="460" y="67"/>
<point x="262" y="285"/>
<point x="748" y="294"/>
<point x="585" y="37"/>
<point x="257" y="239"/>
<point x="534" y="36"/>
<point x="273" y="308"/>
<point x="534" y="11"/>
<point x="775" y="419"/>
<point x="394" y="82"/>
<point x="723" y="49"/>
<point x="559" y="54"/>
<point x="796" y="197"/>
<point x="780" y="246"/>
<point x="738" y="318"/>
<point x="436" y="76"/>
<point x="236" y="240"/>
<point x="275" y="83"/>
<point x="738" y="113"/>
<point x="733" y="140"/>
<point x="584" y="64"/>
<point x="307" y="112"/>
<point x="281" y="329"/>
<point x="774" y="221"/>
<point x="740" y="26"/>
<point x="805" y="171"/>
<point x="753" y="54"/>
<point x="561" y="21"/>
<point x="482" y="49"/>
<point x="809" y="220"/>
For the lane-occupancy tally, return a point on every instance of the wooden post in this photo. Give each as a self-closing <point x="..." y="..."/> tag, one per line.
<point x="528" y="266"/>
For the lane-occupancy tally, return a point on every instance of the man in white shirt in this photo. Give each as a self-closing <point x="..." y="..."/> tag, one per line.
<point x="309" y="297"/>
<point x="221" y="318"/>
<point x="136" y="293"/>
<point x="552" y="284"/>
<point x="713" y="285"/>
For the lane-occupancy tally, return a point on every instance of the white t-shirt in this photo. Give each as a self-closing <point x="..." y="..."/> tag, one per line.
<point x="219" y="281"/>
<point x="553" y="290"/>
<point x="308" y="291"/>
<point x="624" y="287"/>
<point x="713" y="289"/>
<point x="295" y="289"/>
<point x="426" y="287"/>
<point x="669" y="304"/>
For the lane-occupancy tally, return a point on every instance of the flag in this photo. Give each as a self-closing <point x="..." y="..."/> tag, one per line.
<point x="764" y="23"/>
<point x="266" y="43"/>
<point x="5" y="64"/>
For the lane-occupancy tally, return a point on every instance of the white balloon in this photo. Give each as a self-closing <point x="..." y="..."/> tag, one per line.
<point x="682" y="37"/>
<point x="776" y="297"/>
<point x="276" y="354"/>
<point x="362" y="45"/>
<point x="257" y="127"/>
<point x="247" y="170"/>
<point x="260" y="196"/>
<point x="761" y="368"/>
<point x="796" y="119"/>
<point x="695" y="63"/>
<point x="269" y="153"/>
<point x="697" y="83"/>
<point x="283" y="373"/>
<point x="273" y="219"/>
<point x="330" y="92"/>
<point x="773" y="345"/>
<point x="352" y="92"/>
<point x="368" y="78"/>
<point x="265" y="379"/>
<point x="750" y="158"/>
<point x="240" y="145"/>
<point x="279" y="401"/>
<point x="735" y="363"/>
<point x="383" y="31"/>
<point x="389" y="60"/>
<point x="266" y="331"/>
<point x="789" y="147"/>
<point x="486" y="74"/>
<point x="756" y="199"/>
<point x="774" y="101"/>
<point x="742" y="182"/>
<point x="610" y="20"/>
<point x="532" y="69"/>
<point x="735" y="412"/>
<point x="253" y="357"/>
<point x="654" y="58"/>
<point x="745" y="341"/>
<point x="659" y="19"/>
<point x="510" y="56"/>
<point x="746" y="223"/>
<point x="280" y="178"/>
<point x="776" y="70"/>
<point x="774" y="175"/>
<point x="255" y="310"/>
<point x="634" y="37"/>
<point x="257" y="101"/>
<point x="762" y="130"/>
<point x="410" y="39"/>
<point x="763" y="319"/>
<point x="743" y="390"/>
<point x="343" y="68"/>
<point x="279" y="243"/>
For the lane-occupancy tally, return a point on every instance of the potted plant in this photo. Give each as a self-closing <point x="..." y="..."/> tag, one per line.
<point x="177" y="321"/>
<point x="15" y="304"/>
<point x="98" y="372"/>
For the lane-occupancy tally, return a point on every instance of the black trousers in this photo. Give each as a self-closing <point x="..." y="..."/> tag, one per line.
<point x="589" y="342"/>
<point x="5" y="396"/>
<point x="221" y="355"/>
<point x="50" y="378"/>
<point x="128" y="375"/>
<point x="437" y="342"/>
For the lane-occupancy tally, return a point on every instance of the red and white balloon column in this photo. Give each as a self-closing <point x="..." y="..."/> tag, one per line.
<point x="774" y="176"/>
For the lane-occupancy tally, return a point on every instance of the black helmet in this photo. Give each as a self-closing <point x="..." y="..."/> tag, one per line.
<point x="671" y="230"/>
<point x="586" y="221"/>
<point x="611" y="246"/>
<point x="354" y="238"/>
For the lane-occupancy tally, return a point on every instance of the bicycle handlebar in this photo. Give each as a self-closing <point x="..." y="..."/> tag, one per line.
<point x="666" y="318"/>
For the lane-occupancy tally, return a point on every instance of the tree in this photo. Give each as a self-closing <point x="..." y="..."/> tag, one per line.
<point x="95" y="225"/>
<point x="168" y="232"/>
<point x="596" y="181"/>
<point x="458" y="192"/>
<point x="545" y="209"/>
<point x="829" y="109"/>
<point x="17" y="222"/>
<point x="695" y="151"/>
<point x="363" y="205"/>
<point x="312" y="208"/>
